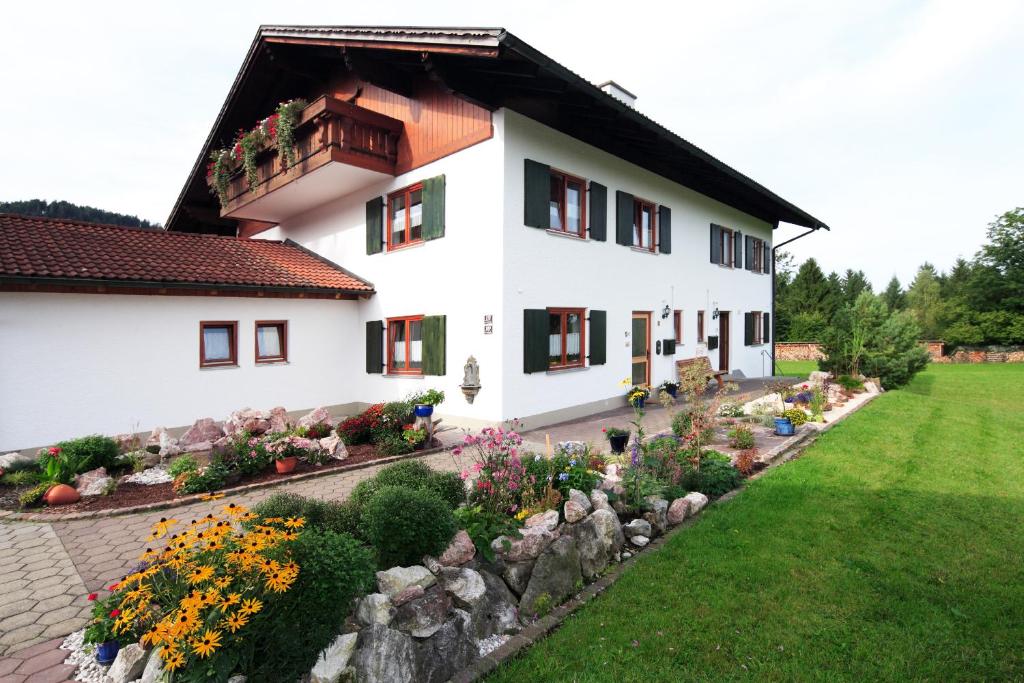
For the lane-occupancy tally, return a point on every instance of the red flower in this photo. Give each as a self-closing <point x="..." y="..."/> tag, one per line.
<point x="54" y="451"/>
<point x="604" y="429"/>
<point x="114" y="612"/>
<point x="113" y="586"/>
<point x="92" y="596"/>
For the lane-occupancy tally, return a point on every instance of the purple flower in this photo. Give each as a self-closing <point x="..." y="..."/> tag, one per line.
<point x="564" y="476"/>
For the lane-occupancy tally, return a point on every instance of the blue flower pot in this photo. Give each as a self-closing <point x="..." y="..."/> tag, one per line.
<point x="106" y="652"/>
<point x="639" y="403"/>
<point x="784" y="427"/>
<point x="672" y="391"/>
<point x="423" y="410"/>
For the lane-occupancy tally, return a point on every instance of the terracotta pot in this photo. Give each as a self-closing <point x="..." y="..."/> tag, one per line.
<point x="285" y="465"/>
<point x="61" y="494"/>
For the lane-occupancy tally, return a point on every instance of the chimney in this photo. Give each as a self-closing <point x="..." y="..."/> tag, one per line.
<point x="618" y="92"/>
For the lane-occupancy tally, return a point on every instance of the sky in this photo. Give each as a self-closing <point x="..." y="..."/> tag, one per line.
<point x="899" y="124"/>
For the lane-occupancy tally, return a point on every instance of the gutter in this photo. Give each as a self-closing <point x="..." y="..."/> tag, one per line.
<point x="30" y="281"/>
<point x="774" y="284"/>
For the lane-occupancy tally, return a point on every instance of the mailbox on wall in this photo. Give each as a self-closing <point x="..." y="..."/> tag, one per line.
<point x="712" y="342"/>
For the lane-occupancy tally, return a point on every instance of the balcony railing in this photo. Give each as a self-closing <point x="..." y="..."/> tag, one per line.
<point x="329" y="130"/>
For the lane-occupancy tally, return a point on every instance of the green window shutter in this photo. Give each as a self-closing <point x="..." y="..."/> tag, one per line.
<point x="434" y="345"/>
<point x="623" y="218"/>
<point x="664" y="230"/>
<point x="716" y="244"/>
<point x="737" y="247"/>
<point x="535" y="340"/>
<point x="748" y="329"/>
<point x="537" y="195"/>
<point x="375" y="347"/>
<point x="767" y="259"/>
<point x="749" y="265"/>
<point x="374" y="225"/>
<point x="598" y="337"/>
<point x="433" y="208"/>
<point x="598" y="212"/>
<point x="766" y="330"/>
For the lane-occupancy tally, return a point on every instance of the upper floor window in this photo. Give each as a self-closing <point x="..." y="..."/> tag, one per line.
<point x="723" y="246"/>
<point x="756" y="251"/>
<point x="405" y="345"/>
<point x="643" y="224"/>
<point x="677" y="325"/>
<point x="567" y="204"/>
<point x="405" y="217"/>
<point x="565" y="338"/>
<point x="271" y="341"/>
<point x="218" y="343"/>
<point x="700" y="327"/>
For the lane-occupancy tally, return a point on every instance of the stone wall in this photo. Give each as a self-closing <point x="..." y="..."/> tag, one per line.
<point x="985" y="354"/>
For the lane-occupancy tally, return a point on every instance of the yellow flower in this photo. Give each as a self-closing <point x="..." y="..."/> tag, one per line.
<point x="222" y="582"/>
<point x="160" y="528"/>
<point x="230" y="599"/>
<point x="289" y="536"/>
<point x="205" y="645"/>
<point x="279" y="581"/>
<point x="294" y="522"/>
<point x="234" y="621"/>
<point x="211" y="496"/>
<point x="234" y="510"/>
<point x="200" y="574"/>
<point x="251" y="606"/>
<point x="172" y="660"/>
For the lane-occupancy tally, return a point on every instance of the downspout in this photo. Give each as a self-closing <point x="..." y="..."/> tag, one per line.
<point x="774" y="249"/>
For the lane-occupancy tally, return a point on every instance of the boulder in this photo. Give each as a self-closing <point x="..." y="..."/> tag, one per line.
<point x="334" y="659"/>
<point x="154" y="670"/>
<point x="599" y="500"/>
<point x="375" y="608"/>
<point x="409" y="593"/>
<point x="448" y="651"/>
<point x="598" y="539"/>
<point x="424" y="616"/>
<point x="657" y="515"/>
<point x="128" y="665"/>
<point x="677" y="511"/>
<point x="385" y="655"/>
<point x="279" y="419"/>
<point x="517" y="575"/>
<point x="696" y="501"/>
<point x="497" y="613"/>
<point x="93" y="483"/>
<point x="541" y="522"/>
<point x="315" y="416"/>
<point x="198" y="447"/>
<point x="528" y="547"/>
<point x="581" y="499"/>
<point x="460" y="551"/>
<point x="205" y="430"/>
<point x="334" y="447"/>
<point x="466" y="586"/>
<point x="554" y="577"/>
<point x="637" y="527"/>
<point x="639" y="541"/>
<point x="817" y="377"/>
<point x="127" y="442"/>
<point x="574" y="512"/>
<point x="158" y="438"/>
<point x="395" y="580"/>
<point x="15" y="460"/>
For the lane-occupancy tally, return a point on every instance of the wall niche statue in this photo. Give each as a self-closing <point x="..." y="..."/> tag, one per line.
<point x="470" y="379"/>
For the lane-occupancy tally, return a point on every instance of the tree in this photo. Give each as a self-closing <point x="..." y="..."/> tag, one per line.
<point x="853" y="283"/>
<point x="894" y="296"/>
<point x="1002" y="263"/>
<point x="62" y="209"/>
<point x="924" y="301"/>
<point x="809" y="296"/>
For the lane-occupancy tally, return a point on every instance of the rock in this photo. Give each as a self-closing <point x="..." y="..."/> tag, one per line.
<point x="15" y="461"/>
<point x="422" y="617"/>
<point x="199" y="447"/>
<point x="334" y="659"/>
<point x="315" y="416"/>
<point x="407" y="594"/>
<point x="598" y="539"/>
<point x="554" y="577"/>
<point x="334" y="447"/>
<point x="817" y="377"/>
<point x="697" y="501"/>
<point x="395" y="580"/>
<point x="529" y="547"/>
<point x="223" y="444"/>
<point x="170" y="450"/>
<point x="581" y="499"/>
<point x="127" y="442"/>
<point x="640" y="541"/>
<point x="448" y="651"/>
<point x="279" y="419"/>
<point x="637" y="527"/>
<point x="626" y="555"/>
<point x="677" y="511"/>
<point x="148" y="477"/>
<point x="205" y="430"/>
<point x="541" y="522"/>
<point x="128" y="665"/>
<point x="599" y="500"/>
<point x="574" y="512"/>
<point x="93" y="483"/>
<point x="466" y="586"/>
<point x="375" y="608"/>
<point x="460" y="551"/>
<point x="238" y="678"/>
<point x="158" y="438"/>
<point x="385" y="655"/>
<point x="498" y="612"/>
<point x="517" y="575"/>
<point x="154" y="670"/>
<point x="657" y="515"/>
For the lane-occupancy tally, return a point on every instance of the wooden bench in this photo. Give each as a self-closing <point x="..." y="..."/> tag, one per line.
<point x="705" y="364"/>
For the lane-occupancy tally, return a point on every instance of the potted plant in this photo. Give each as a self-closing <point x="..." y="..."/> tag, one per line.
<point x="784" y="427"/>
<point x="618" y="438"/>
<point x="637" y="396"/>
<point x="425" y="402"/>
<point x="60" y="472"/>
<point x="671" y="388"/>
<point x="286" y="452"/>
<point x="100" y="632"/>
<point x="414" y="437"/>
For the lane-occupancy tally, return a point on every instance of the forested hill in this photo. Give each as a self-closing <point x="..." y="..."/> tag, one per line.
<point x="62" y="209"/>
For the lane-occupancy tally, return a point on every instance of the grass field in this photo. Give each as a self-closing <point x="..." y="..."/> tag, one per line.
<point x="893" y="549"/>
<point x="795" y="368"/>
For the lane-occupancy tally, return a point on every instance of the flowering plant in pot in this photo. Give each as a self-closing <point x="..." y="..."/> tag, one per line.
<point x="102" y="631"/>
<point x="414" y="437"/>
<point x="618" y="438"/>
<point x="287" y="450"/>
<point x="424" y="402"/>
<point x="671" y="388"/>
<point x="637" y="396"/>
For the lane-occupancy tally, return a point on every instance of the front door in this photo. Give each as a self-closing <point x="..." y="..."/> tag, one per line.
<point x="723" y="341"/>
<point x="641" y="348"/>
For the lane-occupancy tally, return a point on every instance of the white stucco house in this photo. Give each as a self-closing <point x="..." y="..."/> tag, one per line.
<point x="502" y="207"/>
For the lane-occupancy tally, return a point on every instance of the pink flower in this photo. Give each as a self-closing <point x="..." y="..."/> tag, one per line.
<point x="464" y="474"/>
<point x="477" y="467"/>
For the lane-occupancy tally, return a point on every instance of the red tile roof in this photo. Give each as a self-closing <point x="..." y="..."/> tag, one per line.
<point x="52" y="248"/>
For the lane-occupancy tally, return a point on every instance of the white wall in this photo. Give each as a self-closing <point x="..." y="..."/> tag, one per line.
<point x="545" y="270"/>
<point x="77" y="364"/>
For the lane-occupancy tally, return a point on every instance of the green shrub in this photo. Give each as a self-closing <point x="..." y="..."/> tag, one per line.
<point x="405" y="524"/>
<point x="90" y="452"/>
<point x="682" y="423"/>
<point x="34" y="494"/>
<point x="392" y="443"/>
<point x="849" y="383"/>
<point x="741" y="438"/>
<point x="717" y="478"/>
<point x="22" y="478"/>
<point x="209" y="479"/>
<point x="323" y="515"/>
<point x="334" y="570"/>
<point x="186" y="463"/>
<point x="409" y="473"/>
<point x="448" y="486"/>
<point x="796" y="416"/>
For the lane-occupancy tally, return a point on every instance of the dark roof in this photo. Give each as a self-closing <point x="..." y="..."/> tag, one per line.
<point x="34" y="249"/>
<point x="488" y="66"/>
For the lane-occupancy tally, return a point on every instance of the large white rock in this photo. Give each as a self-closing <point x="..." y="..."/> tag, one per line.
<point x="334" y="659"/>
<point x="93" y="483"/>
<point x="154" y="670"/>
<point x="334" y="447"/>
<point x="375" y="608"/>
<point x="397" y="579"/>
<point x="128" y="665"/>
<point x="466" y="586"/>
<point x="581" y="499"/>
<point x="696" y="501"/>
<point x="15" y="460"/>
<point x="574" y="512"/>
<point x="599" y="499"/>
<point x="637" y="527"/>
<point x="542" y="522"/>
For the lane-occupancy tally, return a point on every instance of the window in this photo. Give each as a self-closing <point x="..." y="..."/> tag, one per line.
<point x="568" y="207"/>
<point x="677" y="325"/>
<point x="565" y="338"/>
<point x="757" y="257"/>
<point x="700" y="327"/>
<point x="218" y="343"/>
<point x="728" y="247"/>
<point x="405" y="345"/>
<point x="405" y="217"/>
<point x="271" y="341"/>
<point x="757" y="319"/>
<point x="643" y="224"/>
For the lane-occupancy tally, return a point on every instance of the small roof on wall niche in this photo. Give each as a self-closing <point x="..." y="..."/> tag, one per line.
<point x="618" y="92"/>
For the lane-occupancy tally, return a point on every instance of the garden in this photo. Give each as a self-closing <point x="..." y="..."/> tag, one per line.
<point x="250" y="447"/>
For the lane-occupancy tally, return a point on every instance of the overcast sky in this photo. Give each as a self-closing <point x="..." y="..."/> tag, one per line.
<point x="900" y="124"/>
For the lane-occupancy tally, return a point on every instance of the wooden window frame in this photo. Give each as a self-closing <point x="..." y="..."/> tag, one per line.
<point x="700" y="327"/>
<point x="282" y="326"/>
<point x="563" y="204"/>
<point x="677" y="325"/>
<point x="233" y="344"/>
<point x="728" y="247"/>
<point x="564" y="314"/>
<point x="757" y="244"/>
<point x="638" y="206"/>
<point x="405" y="192"/>
<point x="391" y="369"/>
<point x="758" y="317"/>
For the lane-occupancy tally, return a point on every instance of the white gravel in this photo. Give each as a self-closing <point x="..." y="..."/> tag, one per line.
<point x="488" y="645"/>
<point x="154" y="475"/>
<point x="89" y="670"/>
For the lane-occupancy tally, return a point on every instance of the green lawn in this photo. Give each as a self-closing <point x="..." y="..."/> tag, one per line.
<point x="795" y="368"/>
<point x="893" y="549"/>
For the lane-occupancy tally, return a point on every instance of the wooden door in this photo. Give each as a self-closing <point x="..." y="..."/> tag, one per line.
<point x="641" y="348"/>
<point x="723" y="341"/>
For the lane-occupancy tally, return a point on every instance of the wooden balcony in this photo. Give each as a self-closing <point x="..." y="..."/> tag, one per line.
<point x="339" y="148"/>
